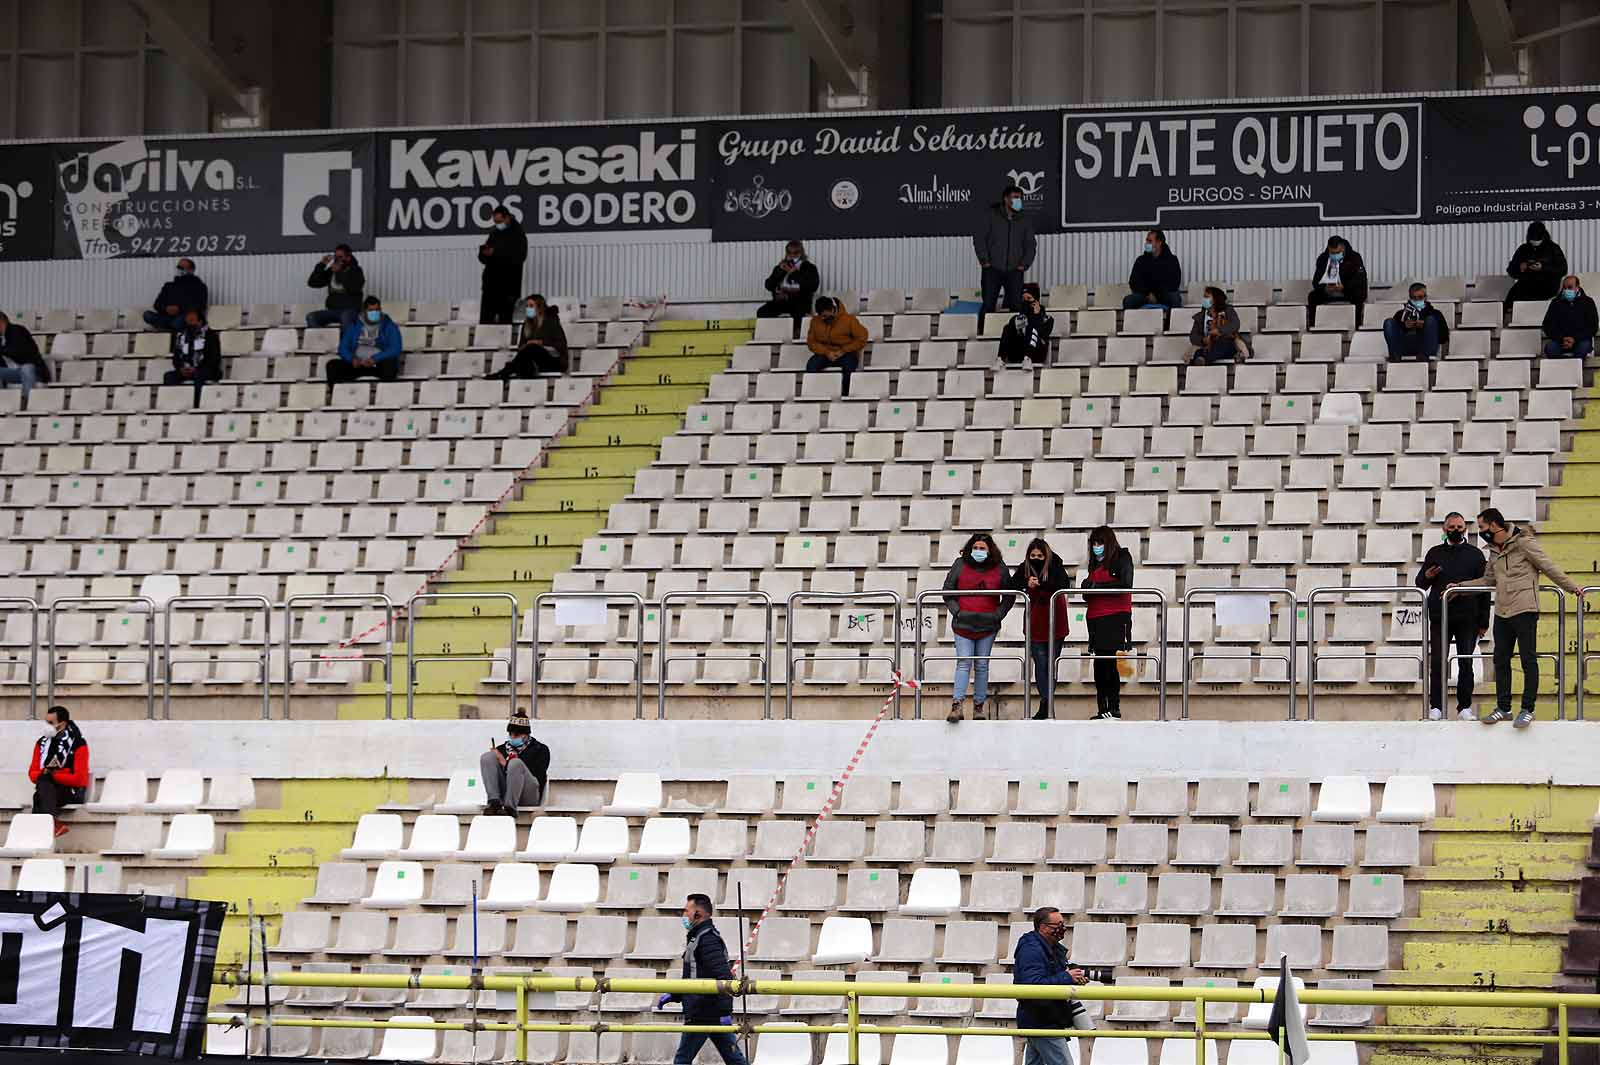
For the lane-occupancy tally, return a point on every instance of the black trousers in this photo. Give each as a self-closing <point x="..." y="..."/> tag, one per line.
<point x="779" y="308"/>
<point x="993" y="281"/>
<point x="531" y="360"/>
<point x="1535" y="286"/>
<point x="341" y="372"/>
<point x="1464" y="636"/>
<point x="1107" y="636"/>
<point x="1519" y="632"/>
<point x="494" y="308"/>
<point x="49" y="797"/>
<point x="1319" y="297"/>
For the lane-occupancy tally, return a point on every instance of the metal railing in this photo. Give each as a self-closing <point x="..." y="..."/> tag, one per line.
<point x="103" y="602"/>
<point x="1584" y="655"/>
<point x="637" y="602"/>
<point x="413" y="659"/>
<point x="387" y="657"/>
<point x="522" y="989"/>
<point x="942" y="595"/>
<point x="262" y="658"/>
<point x="1159" y="658"/>
<point x="761" y="599"/>
<point x="896" y="601"/>
<point x="1314" y="656"/>
<point x="32" y="607"/>
<point x="1189" y="659"/>
<point x="1559" y="656"/>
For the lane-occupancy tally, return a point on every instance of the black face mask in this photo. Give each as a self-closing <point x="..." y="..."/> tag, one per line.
<point x="1486" y="536"/>
<point x="1455" y="536"/>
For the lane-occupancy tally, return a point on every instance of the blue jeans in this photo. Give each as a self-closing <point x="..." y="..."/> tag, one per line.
<point x="24" y="375"/>
<point x="974" y="661"/>
<point x="1046" y="1050"/>
<point x="324" y="318"/>
<point x="1411" y="343"/>
<point x="1581" y="348"/>
<point x="846" y="363"/>
<point x="1134" y="300"/>
<point x="1044" y="674"/>
<point x="689" y="1045"/>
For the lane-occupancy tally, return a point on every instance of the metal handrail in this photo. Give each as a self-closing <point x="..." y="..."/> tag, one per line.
<point x="260" y="658"/>
<point x="105" y="600"/>
<point x="1289" y="659"/>
<point x="1341" y="592"/>
<point x="1160" y="658"/>
<point x="896" y="600"/>
<point x="1584" y="657"/>
<point x="638" y="604"/>
<point x="662" y="658"/>
<point x="413" y="659"/>
<point x="388" y="643"/>
<point x="1559" y="656"/>
<point x="33" y="649"/>
<point x="956" y="593"/>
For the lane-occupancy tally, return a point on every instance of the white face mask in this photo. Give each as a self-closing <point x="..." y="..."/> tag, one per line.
<point x="48" y="732"/>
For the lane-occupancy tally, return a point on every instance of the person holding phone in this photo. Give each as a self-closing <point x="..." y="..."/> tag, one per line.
<point x="1042" y="575"/>
<point x="516" y="771"/>
<point x="793" y="284"/>
<point x="1027" y="334"/>
<point x="60" y="766"/>
<point x="346" y="283"/>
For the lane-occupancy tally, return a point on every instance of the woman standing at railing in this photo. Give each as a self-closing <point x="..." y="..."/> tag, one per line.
<point x="975" y="619"/>
<point x="1109" y="617"/>
<point x="1042" y="574"/>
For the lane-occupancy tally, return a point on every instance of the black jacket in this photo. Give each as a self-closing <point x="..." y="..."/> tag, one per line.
<point x="1570" y="318"/>
<point x="1457" y="563"/>
<point x="536" y="756"/>
<point x="1005" y="241"/>
<point x="187" y="292"/>
<point x="1026" y="336"/>
<point x="1352" y="274"/>
<point x="705" y="957"/>
<point x="1408" y="313"/>
<point x="547" y="334"/>
<point x="352" y="282"/>
<point x="1121" y="572"/>
<point x="18" y="348"/>
<point x="1551" y="259"/>
<point x="1156" y="273"/>
<point x="502" y="271"/>
<point x="205" y="354"/>
<point x="805" y="276"/>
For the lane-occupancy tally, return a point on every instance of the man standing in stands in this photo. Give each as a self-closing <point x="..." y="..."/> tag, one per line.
<point x="504" y="251"/>
<point x="60" y="766"/>
<point x="1515" y="562"/>
<point x="196" y="354"/>
<point x="183" y="293"/>
<point x="368" y="348"/>
<point x="515" y="772"/>
<point x="1005" y="246"/>
<point x="1417" y="330"/>
<point x="1340" y="276"/>
<point x="705" y="957"/>
<point x="1041" y="959"/>
<point x="793" y="284"/>
<point x="836" y="339"/>
<point x="1536" y="267"/>
<point x="1454" y="561"/>
<point x="346" y="283"/>
<point x="20" y="361"/>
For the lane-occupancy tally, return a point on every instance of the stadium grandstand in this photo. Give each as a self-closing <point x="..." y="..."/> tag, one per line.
<point x="866" y="532"/>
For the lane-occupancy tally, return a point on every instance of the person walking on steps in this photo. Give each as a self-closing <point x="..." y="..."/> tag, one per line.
<point x="975" y="619"/>
<point x="1110" y="618"/>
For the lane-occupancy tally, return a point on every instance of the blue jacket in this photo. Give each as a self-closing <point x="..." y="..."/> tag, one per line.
<point x="1038" y="961"/>
<point x="388" y="340"/>
<point x="705" y="957"/>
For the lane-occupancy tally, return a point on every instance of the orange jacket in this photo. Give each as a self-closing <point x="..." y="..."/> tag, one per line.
<point x="841" y="336"/>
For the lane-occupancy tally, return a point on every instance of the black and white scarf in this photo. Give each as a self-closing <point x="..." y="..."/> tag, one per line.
<point x="56" y="749"/>
<point x="191" y="349"/>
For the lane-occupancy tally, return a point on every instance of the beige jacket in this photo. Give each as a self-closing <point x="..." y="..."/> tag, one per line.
<point x="1514" y="571"/>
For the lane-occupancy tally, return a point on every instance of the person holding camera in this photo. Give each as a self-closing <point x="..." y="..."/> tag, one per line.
<point x="1109" y="617"/>
<point x="1041" y="959"/>
<point x="515" y="773"/>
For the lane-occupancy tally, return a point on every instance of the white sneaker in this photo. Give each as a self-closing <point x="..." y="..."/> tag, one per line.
<point x="1435" y="714"/>
<point x="1467" y="714"/>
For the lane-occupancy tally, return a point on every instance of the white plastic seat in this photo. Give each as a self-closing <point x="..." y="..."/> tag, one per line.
<point x="512" y="886"/>
<point x="843" y="941"/>
<point x="573" y="887"/>
<point x="1407" y="799"/>
<point x="29" y="834"/>
<point x="397" y="885"/>
<point x="376" y="836"/>
<point x="123" y="790"/>
<point x="1344" y="798"/>
<point x="189" y="836"/>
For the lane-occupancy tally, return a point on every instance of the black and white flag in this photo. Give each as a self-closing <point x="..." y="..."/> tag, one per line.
<point x="1287" y="1025"/>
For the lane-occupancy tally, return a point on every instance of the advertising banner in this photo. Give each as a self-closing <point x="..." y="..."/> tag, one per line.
<point x="1514" y="157"/>
<point x="212" y="196"/>
<point x="27" y="182"/>
<point x="880" y="176"/>
<point x="557" y="179"/>
<point x="111" y="972"/>
<point x="1269" y="165"/>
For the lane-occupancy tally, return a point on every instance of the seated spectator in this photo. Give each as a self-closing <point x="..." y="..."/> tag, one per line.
<point x="836" y="339"/>
<point x="1537" y="267"/>
<point x="342" y="276"/>
<point x="196" y="354"/>
<point x="368" y="348"/>
<point x="541" y="344"/>
<point x="1156" y="279"/>
<point x="60" y="766"/>
<point x="1215" y="332"/>
<point x="1418" y="329"/>
<point x="1042" y="574"/>
<point x="515" y="772"/>
<point x="177" y="296"/>
<point x="1027" y="334"/>
<point x="20" y="361"/>
<point x="1340" y="276"/>
<point x="793" y="284"/>
<point x="1570" y="322"/>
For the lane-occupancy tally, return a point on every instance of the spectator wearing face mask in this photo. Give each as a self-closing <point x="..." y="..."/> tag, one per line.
<point x="1215" y="330"/>
<point x="1453" y="561"/>
<point x="346" y="283"/>
<point x="516" y="772"/>
<point x="1418" y="329"/>
<point x="1340" y="276"/>
<point x="793" y="284"/>
<point x="1041" y="959"/>
<point x="541" y="343"/>
<point x="368" y="348"/>
<point x="1027" y="334"/>
<point x="975" y="619"/>
<point x="502" y="254"/>
<point x="836" y="340"/>
<point x="1536" y="267"/>
<point x="196" y="354"/>
<point x="183" y="293"/>
<point x="60" y="766"/>
<point x="1156" y="279"/>
<point x="20" y="361"/>
<point x="1041" y="575"/>
<point x="1570" y="322"/>
<point x="1005" y="245"/>
<point x="705" y="957"/>
<point x="1110" y="617"/>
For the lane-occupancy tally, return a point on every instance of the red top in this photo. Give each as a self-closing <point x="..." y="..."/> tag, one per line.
<point x="1100" y="606"/>
<point x="973" y="577"/>
<point x="73" y="776"/>
<point x="1039" y="615"/>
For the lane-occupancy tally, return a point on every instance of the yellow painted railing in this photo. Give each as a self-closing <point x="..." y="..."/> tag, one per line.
<point x="852" y="991"/>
